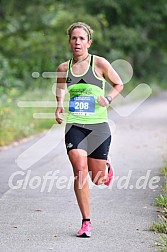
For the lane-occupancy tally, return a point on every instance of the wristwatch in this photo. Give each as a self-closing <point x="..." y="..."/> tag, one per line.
<point x="109" y="99"/>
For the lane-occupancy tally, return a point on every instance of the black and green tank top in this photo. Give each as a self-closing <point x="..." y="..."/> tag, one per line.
<point x="84" y="90"/>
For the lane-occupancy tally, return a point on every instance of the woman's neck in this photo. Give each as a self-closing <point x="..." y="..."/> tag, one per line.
<point x="78" y="60"/>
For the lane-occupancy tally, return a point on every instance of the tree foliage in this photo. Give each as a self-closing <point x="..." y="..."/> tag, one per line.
<point x="33" y="35"/>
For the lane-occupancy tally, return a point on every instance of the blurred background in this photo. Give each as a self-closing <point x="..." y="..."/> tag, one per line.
<point x="33" y="39"/>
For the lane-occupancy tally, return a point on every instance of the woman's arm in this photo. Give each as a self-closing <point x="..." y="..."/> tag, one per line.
<point x="60" y="91"/>
<point x="112" y="77"/>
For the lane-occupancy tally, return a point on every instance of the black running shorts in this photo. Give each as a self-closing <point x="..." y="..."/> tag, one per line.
<point x="95" y="139"/>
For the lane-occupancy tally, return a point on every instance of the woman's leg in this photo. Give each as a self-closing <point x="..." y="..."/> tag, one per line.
<point x="98" y="170"/>
<point x="78" y="159"/>
<point x="98" y="148"/>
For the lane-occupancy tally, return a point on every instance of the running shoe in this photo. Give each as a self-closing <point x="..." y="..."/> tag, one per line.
<point x="85" y="230"/>
<point x="110" y="173"/>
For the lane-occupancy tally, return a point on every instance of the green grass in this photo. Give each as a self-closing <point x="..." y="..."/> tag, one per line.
<point x="18" y="122"/>
<point x="161" y="226"/>
<point x="164" y="243"/>
<point x="164" y="171"/>
<point x="161" y="200"/>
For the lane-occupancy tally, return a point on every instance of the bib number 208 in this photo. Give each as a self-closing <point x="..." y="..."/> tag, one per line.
<point x="81" y="105"/>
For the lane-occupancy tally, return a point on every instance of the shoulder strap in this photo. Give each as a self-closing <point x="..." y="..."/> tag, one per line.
<point x="69" y="64"/>
<point x="91" y="60"/>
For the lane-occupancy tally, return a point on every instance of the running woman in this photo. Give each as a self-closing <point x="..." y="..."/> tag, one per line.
<point x="87" y="133"/>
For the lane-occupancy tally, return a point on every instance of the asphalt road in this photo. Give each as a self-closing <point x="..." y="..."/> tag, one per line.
<point x="38" y="209"/>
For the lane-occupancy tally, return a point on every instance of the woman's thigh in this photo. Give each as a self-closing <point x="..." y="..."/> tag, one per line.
<point x="99" y="141"/>
<point x="78" y="159"/>
<point x="76" y="137"/>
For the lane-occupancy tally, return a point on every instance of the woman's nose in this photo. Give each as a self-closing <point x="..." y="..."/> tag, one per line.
<point x="77" y="41"/>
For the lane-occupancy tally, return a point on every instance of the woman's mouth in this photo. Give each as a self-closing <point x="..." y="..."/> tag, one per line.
<point x="77" y="49"/>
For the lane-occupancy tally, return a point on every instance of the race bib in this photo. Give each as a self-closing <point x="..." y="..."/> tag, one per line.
<point x="82" y="105"/>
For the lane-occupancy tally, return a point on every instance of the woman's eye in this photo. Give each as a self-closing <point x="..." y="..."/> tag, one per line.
<point x="74" y="38"/>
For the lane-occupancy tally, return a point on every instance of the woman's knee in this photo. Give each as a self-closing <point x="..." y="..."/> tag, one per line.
<point x="79" y="164"/>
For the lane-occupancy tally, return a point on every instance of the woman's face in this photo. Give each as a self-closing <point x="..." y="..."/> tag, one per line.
<point x="79" y="41"/>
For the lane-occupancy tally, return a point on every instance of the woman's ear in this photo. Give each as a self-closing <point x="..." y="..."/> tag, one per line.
<point x="89" y="43"/>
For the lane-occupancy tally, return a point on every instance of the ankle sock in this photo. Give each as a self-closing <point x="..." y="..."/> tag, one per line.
<point x="85" y="220"/>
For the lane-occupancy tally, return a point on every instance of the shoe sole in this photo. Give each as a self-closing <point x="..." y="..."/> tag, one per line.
<point x="84" y="235"/>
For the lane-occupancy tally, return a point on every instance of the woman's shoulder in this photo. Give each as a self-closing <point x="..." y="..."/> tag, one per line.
<point x="63" y="67"/>
<point x="100" y="61"/>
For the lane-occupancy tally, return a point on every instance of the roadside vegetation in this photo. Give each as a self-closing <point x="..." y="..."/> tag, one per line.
<point x="18" y="122"/>
<point x="161" y="225"/>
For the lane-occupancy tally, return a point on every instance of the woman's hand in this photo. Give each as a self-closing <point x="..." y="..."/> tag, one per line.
<point x="59" y="110"/>
<point x="103" y="101"/>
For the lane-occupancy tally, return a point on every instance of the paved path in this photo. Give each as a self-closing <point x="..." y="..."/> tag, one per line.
<point x="33" y="219"/>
